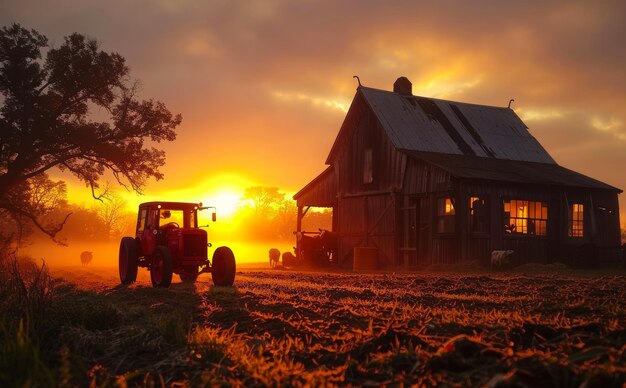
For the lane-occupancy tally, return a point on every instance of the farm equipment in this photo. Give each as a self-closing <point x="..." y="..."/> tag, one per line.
<point x="315" y="250"/>
<point x="169" y="241"/>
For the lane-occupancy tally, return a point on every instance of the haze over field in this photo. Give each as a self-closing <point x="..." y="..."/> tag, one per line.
<point x="264" y="86"/>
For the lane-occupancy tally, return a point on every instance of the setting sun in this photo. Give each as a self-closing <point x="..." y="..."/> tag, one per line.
<point x="224" y="191"/>
<point x="226" y="201"/>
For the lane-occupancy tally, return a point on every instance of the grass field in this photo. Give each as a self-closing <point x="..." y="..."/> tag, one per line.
<point x="281" y="328"/>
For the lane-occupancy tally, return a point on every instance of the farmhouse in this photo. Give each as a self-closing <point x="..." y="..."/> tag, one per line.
<point x="423" y="181"/>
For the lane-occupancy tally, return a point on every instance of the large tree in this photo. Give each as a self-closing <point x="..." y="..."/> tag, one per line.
<point x="47" y="120"/>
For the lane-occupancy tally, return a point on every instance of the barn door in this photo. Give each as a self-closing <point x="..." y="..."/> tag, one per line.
<point x="414" y="232"/>
<point x="408" y="247"/>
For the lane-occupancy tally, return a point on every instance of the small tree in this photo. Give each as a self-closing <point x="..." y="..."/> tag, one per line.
<point x="267" y="213"/>
<point x="115" y="216"/>
<point x="286" y="218"/>
<point x="262" y="200"/>
<point x="45" y="120"/>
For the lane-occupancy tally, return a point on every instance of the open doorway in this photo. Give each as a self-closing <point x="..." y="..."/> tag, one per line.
<point x="316" y="240"/>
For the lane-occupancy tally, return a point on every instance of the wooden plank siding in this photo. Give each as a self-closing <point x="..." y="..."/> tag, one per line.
<point x="323" y="193"/>
<point x="380" y="213"/>
<point x="421" y="245"/>
<point x="394" y="209"/>
<point x="367" y="211"/>
<point x="424" y="183"/>
<point x="350" y="228"/>
<point x="387" y="164"/>
<point x="421" y="177"/>
<point x="402" y="224"/>
<point x="557" y="245"/>
<point x="367" y="221"/>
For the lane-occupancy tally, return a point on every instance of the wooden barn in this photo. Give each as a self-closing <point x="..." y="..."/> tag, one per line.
<point x="424" y="181"/>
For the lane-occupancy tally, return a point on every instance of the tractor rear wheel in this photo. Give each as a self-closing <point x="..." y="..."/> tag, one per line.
<point x="128" y="260"/>
<point x="186" y="278"/>
<point x="223" y="267"/>
<point x="161" y="269"/>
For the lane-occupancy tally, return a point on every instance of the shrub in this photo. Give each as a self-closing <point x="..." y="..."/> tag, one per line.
<point x="25" y="292"/>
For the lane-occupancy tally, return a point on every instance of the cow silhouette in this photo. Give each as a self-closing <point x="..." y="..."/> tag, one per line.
<point x="86" y="257"/>
<point x="274" y="257"/>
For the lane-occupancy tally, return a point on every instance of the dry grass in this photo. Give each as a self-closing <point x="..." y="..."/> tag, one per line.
<point x="25" y="296"/>
<point x="280" y="328"/>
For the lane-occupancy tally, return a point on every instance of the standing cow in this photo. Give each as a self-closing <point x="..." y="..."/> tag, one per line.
<point x="86" y="257"/>
<point x="274" y="257"/>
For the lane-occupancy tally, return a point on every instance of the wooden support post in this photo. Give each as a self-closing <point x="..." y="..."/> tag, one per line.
<point x="463" y="222"/>
<point x="298" y="230"/>
<point x="365" y="226"/>
<point x="299" y="219"/>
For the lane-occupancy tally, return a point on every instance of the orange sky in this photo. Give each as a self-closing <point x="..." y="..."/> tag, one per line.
<point x="263" y="86"/>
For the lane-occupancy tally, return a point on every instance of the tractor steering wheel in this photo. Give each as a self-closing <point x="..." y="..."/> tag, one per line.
<point x="171" y="225"/>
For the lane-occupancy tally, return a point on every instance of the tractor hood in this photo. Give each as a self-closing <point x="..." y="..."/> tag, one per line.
<point x="187" y="243"/>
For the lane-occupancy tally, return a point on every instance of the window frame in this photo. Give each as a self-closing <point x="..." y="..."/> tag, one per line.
<point x="571" y="222"/>
<point x="142" y="220"/>
<point x="445" y="219"/>
<point x="525" y="221"/>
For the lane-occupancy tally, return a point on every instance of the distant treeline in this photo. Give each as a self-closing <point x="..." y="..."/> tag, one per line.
<point x="105" y="221"/>
<point x="263" y="214"/>
<point x="266" y="213"/>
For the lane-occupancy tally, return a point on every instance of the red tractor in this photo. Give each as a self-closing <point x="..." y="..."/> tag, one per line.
<point x="167" y="241"/>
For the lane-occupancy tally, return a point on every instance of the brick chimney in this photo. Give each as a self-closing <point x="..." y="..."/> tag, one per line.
<point x="403" y="86"/>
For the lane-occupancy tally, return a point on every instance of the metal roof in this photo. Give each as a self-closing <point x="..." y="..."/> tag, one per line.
<point x="514" y="171"/>
<point x="432" y="125"/>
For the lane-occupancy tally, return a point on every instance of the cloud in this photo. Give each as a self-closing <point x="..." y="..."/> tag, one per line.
<point x="341" y="105"/>
<point x="539" y="114"/>
<point x="255" y="78"/>
<point x="611" y="125"/>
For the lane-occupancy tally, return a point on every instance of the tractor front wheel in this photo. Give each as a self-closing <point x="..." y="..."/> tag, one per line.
<point x="223" y="267"/>
<point x="161" y="269"/>
<point x="186" y="278"/>
<point x="128" y="258"/>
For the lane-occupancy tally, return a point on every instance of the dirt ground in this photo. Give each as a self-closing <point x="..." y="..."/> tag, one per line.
<point x="310" y="328"/>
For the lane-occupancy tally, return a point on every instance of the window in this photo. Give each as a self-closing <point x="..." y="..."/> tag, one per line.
<point x="170" y="218"/>
<point x="478" y="215"/>
<point x="445" y="215"/>
<point x="368" y="173"/>
<point x="525" y="217"/>
<point x="153" y="219"/>
<point x="141" y="220"/>
<point x="576" y="220"/>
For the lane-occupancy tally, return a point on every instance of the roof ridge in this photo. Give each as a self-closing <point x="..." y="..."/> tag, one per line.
<point x="435" y="98"/>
